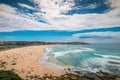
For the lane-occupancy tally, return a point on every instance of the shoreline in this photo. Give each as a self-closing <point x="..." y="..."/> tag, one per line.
<point x="51" y="61"/>
<point x="25" y="61"/>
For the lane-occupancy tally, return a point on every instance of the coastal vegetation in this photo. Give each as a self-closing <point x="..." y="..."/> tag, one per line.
<point x="14" y="44"/>
<point x="10" y="75"/>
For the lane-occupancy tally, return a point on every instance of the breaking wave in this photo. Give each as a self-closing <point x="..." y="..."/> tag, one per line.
<point x="72" y="51"/>
<point x="83" y="58"/>
<point x="108" y="56"/>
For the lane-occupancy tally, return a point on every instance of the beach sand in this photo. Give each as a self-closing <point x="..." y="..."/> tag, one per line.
<point x="25" y="61"/>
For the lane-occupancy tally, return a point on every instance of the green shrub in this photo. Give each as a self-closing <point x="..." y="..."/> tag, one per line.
<point x="9" y="75"/>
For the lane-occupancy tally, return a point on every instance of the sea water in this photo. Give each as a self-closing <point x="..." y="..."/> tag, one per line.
<point x="93" y="57"/>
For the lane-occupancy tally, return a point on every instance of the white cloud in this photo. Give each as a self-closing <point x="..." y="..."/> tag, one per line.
<point x="78" y="21"/>
<point x="12" y="22"/>
<point x="93" y="37"/>
<point x="99" y="34"/>
<point x="54" y="7"/>
<point x="114" y="3"/>
<point x="26" y="6"/>
<point x="7" y="8"/>
<point x="51" y="11"/>
<point x="91" y="6"/>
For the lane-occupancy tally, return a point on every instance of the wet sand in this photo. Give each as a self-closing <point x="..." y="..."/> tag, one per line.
<point x="25" y="61"/>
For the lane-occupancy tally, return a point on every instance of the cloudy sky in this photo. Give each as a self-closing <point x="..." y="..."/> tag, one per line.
<point x="60" y="20"/>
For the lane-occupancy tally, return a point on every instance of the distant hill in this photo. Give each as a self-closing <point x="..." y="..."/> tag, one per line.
<point x="37" y="42"/>
<point x="14" y="44"/>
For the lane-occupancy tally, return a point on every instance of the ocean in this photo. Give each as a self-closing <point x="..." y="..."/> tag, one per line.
<point x="93" y="57"/>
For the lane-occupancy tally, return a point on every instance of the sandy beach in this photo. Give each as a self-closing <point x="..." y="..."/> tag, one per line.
<point x="25" y="61"/>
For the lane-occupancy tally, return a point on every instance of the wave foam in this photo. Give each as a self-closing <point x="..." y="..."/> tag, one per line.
<point x="108" y="56"/>
<point x="45" y="56"/>
<point x="63" y="53"/>
<point x="45" y="60"/>
<point x="96" y="64"/>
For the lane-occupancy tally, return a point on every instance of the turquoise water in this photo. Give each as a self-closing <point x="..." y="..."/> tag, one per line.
<point x="94" y="57"/>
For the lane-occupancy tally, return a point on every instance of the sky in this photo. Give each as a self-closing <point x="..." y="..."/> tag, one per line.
<point x="93" y="21"/>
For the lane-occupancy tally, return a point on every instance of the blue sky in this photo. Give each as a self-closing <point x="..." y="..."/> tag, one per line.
<point x="60" y="20"/>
